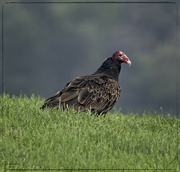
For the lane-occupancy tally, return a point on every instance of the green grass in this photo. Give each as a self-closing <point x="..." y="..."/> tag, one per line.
<point x="32" y="138"/>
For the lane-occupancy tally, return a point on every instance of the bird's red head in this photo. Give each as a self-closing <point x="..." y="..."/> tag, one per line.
<point x="119" y="57"/>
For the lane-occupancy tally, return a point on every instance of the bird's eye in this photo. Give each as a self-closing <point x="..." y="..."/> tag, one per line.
<point x="121" y="56"/>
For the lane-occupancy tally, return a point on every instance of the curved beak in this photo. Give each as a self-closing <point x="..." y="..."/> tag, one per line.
<point x="126" y="60"/>
<point x="129" y="62"/>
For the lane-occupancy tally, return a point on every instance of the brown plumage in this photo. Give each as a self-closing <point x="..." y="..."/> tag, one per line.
<point x="98" y="92"/>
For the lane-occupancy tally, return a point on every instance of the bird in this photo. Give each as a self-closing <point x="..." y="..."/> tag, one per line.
<point x="97" y="92"/>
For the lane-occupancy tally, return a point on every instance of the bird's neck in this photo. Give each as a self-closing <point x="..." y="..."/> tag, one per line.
<point x="109" y="67"/>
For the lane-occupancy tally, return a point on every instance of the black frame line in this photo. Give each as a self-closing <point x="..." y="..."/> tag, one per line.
<point x="177" y="76"/>
<point x="92" y="1"/>
<point x="2" y="51"/>
<point x="108" y="2"/>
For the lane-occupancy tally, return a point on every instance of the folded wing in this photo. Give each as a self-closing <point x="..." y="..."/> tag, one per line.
<point x="98" y="93"/>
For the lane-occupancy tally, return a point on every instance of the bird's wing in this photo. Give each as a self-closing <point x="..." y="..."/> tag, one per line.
<point x="67" y="95"/>
<point x="99" y="94"/>
<point x="82" y="93"/>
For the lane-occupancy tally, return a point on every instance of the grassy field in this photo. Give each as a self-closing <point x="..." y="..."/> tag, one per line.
<point x="51" y="139"/>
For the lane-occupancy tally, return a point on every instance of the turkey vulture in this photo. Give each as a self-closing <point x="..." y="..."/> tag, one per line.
<point x="97" y="92"/>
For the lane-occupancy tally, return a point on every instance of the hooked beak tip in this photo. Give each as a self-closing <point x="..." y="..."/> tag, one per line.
<point x="129" y="63"/>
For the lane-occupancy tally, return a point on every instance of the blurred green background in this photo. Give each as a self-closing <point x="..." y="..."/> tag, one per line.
<point x="45" y="45"/>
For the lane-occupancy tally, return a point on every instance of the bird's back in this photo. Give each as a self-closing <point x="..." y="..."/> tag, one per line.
<point x="98" y="92"/>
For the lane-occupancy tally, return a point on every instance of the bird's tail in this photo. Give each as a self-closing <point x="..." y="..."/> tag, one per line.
<point x="51" y="102"/>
